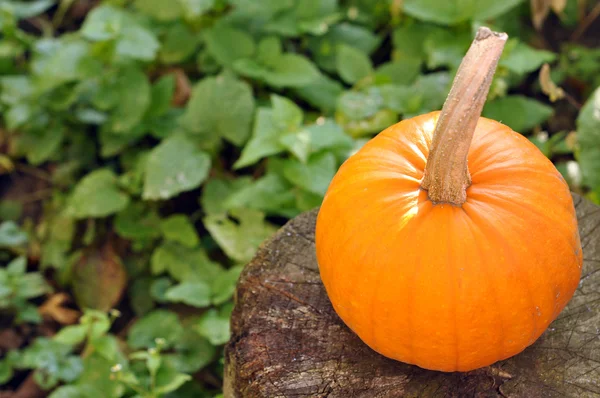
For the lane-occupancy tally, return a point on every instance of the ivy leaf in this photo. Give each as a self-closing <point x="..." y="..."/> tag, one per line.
<point x="270" y="193"/>
<point x="287" y="70"/>
<point x="452" y="12"/>
<point x="160" y="10"/>
<point x="313" y="176"/>
<point x="183" y="264"/>
<point x="103" y="23"/>
<point x="518" y="112"/>
<point x="322" y="93"/>
<point x="523" y="59"/>
<point x="174" y="166"/>
<point x="227" y="44"/>
<point x="97" y="195"/>
<point x="134" y="97"/>
<point x="192" y="353"/>
<point x="157" y="324"/>
<point x="231" y="119"/>
<point x="195" y="8"/>
<point x="239" y="239"/>
<point x="216" y="190"/>
<point x="196" y="294"/>
<point x="214" y="325"/>
<point x="178" y="228"/>
<point x="315" y="138"/>
<point x="588" y="136"/>
<point x="179" y="43"/>
<point x="264" y="140"/>
<point x="352" y="64"/>
<point x="224" y="285"/>
<point x="137" y="222"/>
<point x="11" y="235"/>
<point x="137" y="43"/>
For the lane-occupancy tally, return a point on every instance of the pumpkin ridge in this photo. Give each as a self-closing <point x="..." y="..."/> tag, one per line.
<point x="508" y="251"/>
<point x="552" y="222"/>
<point x="411" y="228"/>
<point x="471" y="226"/>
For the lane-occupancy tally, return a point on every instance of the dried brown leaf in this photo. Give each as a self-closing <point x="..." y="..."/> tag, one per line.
<point x="99" y="278"/>
<point x="548" y="86"/>
<point x="54" y="309"/>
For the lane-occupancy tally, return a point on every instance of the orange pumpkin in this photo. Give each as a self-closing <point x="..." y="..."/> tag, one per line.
<point x="444" y="284"/>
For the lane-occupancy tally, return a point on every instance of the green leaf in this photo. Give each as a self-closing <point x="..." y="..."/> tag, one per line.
<point x="183" y="264"/>
<point x="179" y="43"/>
<point x="195" y="8"/>
<point x="313" y="176"/>
<point x="97" y="195"/>
<point x="402" y="72"/>
<point x="174" y="166"/>
<point x="452" y="12"/>
<point x="518" y="112"/>
<point x="159" y="9"/>
<point x="214" y="325"/>
<point x="322" y="93"/>
<point x="196" y="294"/>
<point x="231" y="119"/>
<point x="173" y="384"/>
<point x="43" y="145"/>
<point x="357" y="105"/>
<point x="103" y="23"/>
<point x="292" y="70"/>
<point x="352" y="64"/>
<point x="6" y="371"/>
<point x="446" y="48"/>
<point x="71" y="335"/>
<point x="224" y="285"/>
<point x="588" y="136"/>
<point x="271" y="194"/>
<point x="323" y="48"/>
<point x="493" y="9"/>
<point x="137" y="43"/>
<point x="216" y="190"/>
<point x="157" y="324"/>
<point x="409" y="41"/>
<point x="134" y="96"/>
<point x="264" y="140"/>
<point x="227" y="44"/>
<point x="137" y="222"/>
<point x="315" y="138"/>
<point x="192" y="352"/>
<point x="240" y="234"/>
<point x="11" y="235"/>
<point x="23" y="10"/>
<point x="76" y="391"/>
<point x="288" y="70"/>
<point x="286" y="114"/>
<point x="178" y="228"/>
<point x="523" y="59"/>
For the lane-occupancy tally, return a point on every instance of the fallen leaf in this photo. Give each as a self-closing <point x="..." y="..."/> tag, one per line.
<point x="10" y="340"/>
<point x="541" y="8"/>
<point x="183" y="88"/>
<point x="99" y="278"/>
<point x="54" y="308"/>
<point x="548" y="86"/>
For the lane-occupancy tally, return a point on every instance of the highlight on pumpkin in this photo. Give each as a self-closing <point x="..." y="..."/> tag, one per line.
<point x="419" y="236"/>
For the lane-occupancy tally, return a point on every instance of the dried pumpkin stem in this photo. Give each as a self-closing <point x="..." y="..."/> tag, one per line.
<point x="446" y="174"/>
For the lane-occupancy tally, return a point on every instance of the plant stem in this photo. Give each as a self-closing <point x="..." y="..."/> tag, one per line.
<point x="446" y="174"/>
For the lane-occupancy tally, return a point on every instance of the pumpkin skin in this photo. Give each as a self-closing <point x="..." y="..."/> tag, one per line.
<point x="444" y="287"/>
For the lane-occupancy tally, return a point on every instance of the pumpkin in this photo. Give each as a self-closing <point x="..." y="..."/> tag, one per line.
<point x="449" y="241"/>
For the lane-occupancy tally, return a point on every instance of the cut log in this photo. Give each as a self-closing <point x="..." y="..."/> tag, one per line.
<point x="287" y="341"/>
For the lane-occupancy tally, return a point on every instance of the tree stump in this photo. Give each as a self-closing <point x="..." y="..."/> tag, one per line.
<point x="287" y="341"/>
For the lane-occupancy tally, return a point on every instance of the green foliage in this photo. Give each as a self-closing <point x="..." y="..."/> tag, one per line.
<point x="176" y="136"/>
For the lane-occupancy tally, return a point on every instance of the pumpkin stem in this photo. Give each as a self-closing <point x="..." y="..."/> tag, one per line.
<point x="446" y="174"/>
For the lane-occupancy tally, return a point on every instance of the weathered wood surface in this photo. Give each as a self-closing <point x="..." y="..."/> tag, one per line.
<point x="288" y="342"/>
